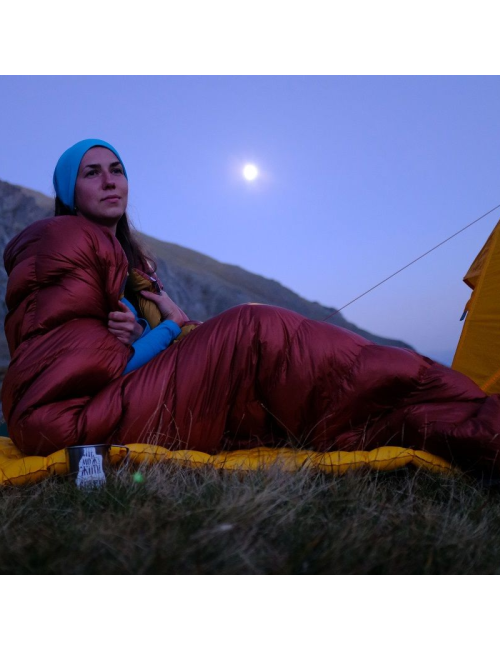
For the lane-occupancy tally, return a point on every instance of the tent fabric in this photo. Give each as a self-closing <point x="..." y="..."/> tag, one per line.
<point x="253" y="376"/>
<point x="16" y="469"/>
<point x="478" y="350"/>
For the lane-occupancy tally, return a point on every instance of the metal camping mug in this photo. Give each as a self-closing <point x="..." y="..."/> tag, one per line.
<point x="88" y="463"/>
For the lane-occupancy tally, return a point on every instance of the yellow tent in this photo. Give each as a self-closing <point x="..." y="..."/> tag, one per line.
<point x="478" y="351"/>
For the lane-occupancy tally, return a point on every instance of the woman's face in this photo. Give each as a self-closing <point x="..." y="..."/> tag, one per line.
<point x="101" y="189"/>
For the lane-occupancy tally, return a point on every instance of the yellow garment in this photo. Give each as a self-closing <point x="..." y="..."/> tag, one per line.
<point x="17" y="469"/>
<point x="147" y="308"/>
<point x="140" y="282"/>
<point x="478" y="351"/>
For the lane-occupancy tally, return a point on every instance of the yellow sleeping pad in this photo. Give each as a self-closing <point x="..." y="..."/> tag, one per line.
<point x="18" y="469"/>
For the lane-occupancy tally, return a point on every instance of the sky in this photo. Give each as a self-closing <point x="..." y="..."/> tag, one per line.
<point x="358" y="176"/>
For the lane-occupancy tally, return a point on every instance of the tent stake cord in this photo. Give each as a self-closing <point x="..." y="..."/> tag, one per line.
<point x="415" y="260"/>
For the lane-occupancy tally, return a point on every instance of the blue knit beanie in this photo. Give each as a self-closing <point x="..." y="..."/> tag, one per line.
<point x="67" y="167"/>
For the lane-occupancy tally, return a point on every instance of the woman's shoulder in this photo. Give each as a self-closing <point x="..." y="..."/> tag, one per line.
<point x="62" y="223"/>
<point x="64" y="234"/>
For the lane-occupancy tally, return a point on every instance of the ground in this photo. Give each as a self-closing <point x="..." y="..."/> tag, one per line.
<point x="169" y="519"/>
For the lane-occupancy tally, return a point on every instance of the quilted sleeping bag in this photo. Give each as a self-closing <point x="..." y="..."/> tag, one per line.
<point x="254" y="375"/>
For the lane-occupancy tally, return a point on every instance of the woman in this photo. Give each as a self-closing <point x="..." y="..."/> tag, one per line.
<point x="99" y="192"/>
<point x="86" y="369"/>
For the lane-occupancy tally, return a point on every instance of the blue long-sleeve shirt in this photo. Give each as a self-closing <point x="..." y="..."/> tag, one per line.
<point x="151" y="341"/>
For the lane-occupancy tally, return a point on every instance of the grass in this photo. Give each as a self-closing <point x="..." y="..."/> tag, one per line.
<point x="180" y="520"/>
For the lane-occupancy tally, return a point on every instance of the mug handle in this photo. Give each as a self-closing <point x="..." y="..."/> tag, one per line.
<point x="123" y="447"/>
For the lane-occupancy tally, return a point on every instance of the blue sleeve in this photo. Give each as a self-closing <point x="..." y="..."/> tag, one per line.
<point x="150" y="344"/>
<point x="151" y="341"/>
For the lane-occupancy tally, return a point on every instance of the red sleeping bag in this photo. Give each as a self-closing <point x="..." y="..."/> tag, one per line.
<point x="254" y="375"/>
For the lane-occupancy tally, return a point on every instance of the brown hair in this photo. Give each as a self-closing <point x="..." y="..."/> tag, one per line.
<point x="136" y="255"/>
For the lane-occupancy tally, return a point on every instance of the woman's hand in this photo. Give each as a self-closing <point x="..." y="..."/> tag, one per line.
<point x="124" y="326"/>
<point x="168" y="309"/>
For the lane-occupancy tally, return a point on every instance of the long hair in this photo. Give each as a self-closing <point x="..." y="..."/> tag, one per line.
<point x="136" y="255"/>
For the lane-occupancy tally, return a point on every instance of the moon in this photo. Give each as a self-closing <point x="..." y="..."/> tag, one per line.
<point x="250" y="172"/>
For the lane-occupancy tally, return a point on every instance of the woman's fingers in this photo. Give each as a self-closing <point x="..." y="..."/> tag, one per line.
<point x="123" y="337"/>
<point x="118" y="332"/>
<point x="121" y="316"/>
<point x="124" y="315"/>
<point x="168" y="308"/>
<point x="120" y="327"/>
<point x="150" y="295"/>
<point x="124" y="326"/>
<point x="120" y="324"/>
